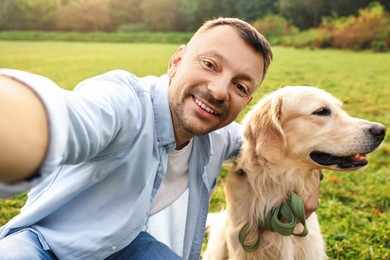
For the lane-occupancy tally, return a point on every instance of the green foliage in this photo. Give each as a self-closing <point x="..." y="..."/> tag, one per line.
<point x="354" y="206"/>
<point x="253" y="10"/>
<point x="274" y="26"/>
<point x="301" y="39"/>
<point x="125" y="35"/>
<point x="123" y="12"/>
<point x="303" y="13"/>
<point x="133" y="27"/>
<point x="159" y="15"/>
<point x="28" y="14"/>
<point x="186" y="19"/>
<point x="308" y="13"/>
<point x="369" y="30"/>
<point x="11" y="207"/>
<point x="84" y="16"/>
<point x="165" y="15"/>
<point x="7" y="21"/>
<point x="38" y="13"/>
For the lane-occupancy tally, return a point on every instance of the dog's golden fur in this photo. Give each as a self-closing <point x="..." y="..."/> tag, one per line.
<point x="280" y="133"/>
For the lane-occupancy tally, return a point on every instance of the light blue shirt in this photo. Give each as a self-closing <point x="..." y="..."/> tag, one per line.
<point x="109" y="145"/>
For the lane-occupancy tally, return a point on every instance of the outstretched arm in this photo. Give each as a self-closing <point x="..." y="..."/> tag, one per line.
<point x="24" y="131"/>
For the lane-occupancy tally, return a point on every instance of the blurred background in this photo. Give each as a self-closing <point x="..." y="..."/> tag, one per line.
<point x="355" y="24"/>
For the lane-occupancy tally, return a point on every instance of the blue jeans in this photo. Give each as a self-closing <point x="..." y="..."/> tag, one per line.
<point x="26" y="245"/>
<point x="145" y="247"/>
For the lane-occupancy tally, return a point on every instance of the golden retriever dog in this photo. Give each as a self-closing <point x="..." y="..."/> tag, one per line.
<point x="290" y="136"/>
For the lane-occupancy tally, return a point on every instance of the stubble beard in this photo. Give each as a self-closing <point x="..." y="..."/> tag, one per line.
<point x="184" y="124"/>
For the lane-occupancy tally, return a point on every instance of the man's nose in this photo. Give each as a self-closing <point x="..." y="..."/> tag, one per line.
<point x="220" y="88"/>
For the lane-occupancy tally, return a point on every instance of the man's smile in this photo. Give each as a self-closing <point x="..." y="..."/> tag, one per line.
<point x="204" y="107"/>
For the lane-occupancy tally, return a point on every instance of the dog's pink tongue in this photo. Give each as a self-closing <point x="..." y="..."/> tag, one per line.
<point x="359" y="157"/>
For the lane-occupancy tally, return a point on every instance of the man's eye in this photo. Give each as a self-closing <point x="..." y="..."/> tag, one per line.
<point x="241" y="89"/>
<point x="209" y="65"/>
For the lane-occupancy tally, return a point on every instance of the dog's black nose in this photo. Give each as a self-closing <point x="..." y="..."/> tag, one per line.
<point x="378" y="131"/>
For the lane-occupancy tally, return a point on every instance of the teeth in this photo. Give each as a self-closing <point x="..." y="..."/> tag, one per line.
<point x="359" y="157"/>
<point x="204" y="106"/>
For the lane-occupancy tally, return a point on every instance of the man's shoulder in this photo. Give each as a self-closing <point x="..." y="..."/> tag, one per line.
<point x="230" y="134"/>
<point x="233" y="128"/>
<point x="119" y="76"/>
<point x="121" y="80"/>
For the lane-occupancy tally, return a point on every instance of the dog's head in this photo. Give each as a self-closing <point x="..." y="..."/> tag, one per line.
<point x="307" y="127"/>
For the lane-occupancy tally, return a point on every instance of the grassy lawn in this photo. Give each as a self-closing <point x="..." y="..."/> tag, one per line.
<point x="354" y="212"/>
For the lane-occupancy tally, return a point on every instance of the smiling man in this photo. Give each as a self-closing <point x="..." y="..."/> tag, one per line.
<point x="122" y="160"/>
<point x="212" y="79"/>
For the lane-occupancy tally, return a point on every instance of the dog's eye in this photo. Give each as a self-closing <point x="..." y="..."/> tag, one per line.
<point x="323" y="111"/>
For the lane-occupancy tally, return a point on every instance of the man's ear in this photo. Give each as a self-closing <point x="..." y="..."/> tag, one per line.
<point x="175" y="61"/>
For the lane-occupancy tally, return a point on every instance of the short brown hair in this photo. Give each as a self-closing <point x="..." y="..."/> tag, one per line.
<point x="248" y="33"/>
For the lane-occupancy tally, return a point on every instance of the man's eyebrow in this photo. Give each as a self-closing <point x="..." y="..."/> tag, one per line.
<point x="222" y="58"/>
<point x="246" y="77"/>
<point x="215" y="54"/>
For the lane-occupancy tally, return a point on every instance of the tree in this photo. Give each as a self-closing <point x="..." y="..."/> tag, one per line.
<point x="309" y="13"/>
<point x="39" y="14"/>
<point x="254" y="9"/>
<point x="186" y="18"/>
<point x="9" y="13"/>
<point x="303" y="13"/>
<point x="84" y="15"/>
<point x="159" y="15"/>
<point x="249" y="10"/>
<point x="28" y="14"/>
<point x="125" y="12"/>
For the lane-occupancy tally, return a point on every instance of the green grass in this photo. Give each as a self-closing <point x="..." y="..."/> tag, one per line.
<point x="67" y="63"/>
<point x="143" y="37"/>
<point x="354" y="212"/>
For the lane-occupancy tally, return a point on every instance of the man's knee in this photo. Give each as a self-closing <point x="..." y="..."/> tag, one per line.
<point x="23" y="245"/>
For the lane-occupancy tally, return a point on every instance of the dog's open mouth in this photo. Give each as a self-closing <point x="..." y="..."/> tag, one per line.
<point x="342" y="162"/>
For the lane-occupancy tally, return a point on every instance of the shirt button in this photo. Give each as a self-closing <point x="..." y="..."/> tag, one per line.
<point x="114" y="248"/>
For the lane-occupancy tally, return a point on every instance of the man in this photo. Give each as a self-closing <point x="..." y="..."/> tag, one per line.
<point x="103" y="159"/>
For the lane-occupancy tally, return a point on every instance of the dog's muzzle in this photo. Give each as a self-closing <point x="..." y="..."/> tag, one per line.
<point x="357" y="160"/>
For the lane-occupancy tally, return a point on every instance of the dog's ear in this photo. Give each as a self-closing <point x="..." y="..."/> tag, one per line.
<point x="263" y="129"/>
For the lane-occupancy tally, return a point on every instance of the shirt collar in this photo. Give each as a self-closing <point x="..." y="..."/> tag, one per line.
<point x="163" y="119"/>
<point x="162" y="114"/>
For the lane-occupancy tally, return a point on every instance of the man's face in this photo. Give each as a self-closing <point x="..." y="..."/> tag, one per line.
<point x="212" y="80"/>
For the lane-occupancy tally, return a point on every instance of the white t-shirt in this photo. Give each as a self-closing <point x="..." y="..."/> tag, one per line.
<point x="168" y="214"/>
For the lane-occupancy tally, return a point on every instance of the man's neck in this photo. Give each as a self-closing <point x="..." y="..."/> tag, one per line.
<point x="181" y="144"/>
